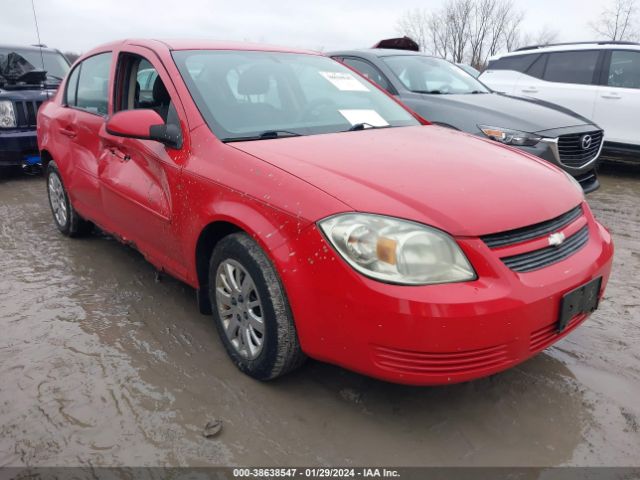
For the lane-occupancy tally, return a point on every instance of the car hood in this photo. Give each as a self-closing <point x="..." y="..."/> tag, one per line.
<point x="496" y="110"/>
<point x="451" y="180"/>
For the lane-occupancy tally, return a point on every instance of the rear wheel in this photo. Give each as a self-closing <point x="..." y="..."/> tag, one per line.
<point x="251" y="310"/>
<point x="64" y="215"/>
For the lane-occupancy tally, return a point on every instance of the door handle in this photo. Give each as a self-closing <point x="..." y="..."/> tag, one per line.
<point x="530" y="90"/>
<point x="612" y="97"/>
<point x="67" y="132"/>
<point x="123" y="157"/>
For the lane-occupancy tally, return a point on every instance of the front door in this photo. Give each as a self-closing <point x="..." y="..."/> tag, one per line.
<point x="138" y="177"/>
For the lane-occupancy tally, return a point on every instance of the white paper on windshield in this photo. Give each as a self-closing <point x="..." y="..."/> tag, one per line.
<point x="368" y="117"/>
<point x="345" y="81"/>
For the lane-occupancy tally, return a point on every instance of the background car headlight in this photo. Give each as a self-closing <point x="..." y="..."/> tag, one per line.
<point x="510" y="137"/>
<point x="7" y="115"/>
<point x="397" y="251"/>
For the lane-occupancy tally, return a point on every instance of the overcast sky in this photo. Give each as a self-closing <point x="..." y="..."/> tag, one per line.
<point x="79" y="25"/>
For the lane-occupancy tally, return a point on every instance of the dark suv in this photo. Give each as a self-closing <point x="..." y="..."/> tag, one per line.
<point x="28" y="76"/>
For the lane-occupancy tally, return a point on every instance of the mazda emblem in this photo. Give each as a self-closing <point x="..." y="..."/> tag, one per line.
<point x="586" y="142"/>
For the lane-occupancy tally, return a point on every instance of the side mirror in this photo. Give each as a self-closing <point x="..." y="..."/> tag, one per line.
<point x="144" y="124"/>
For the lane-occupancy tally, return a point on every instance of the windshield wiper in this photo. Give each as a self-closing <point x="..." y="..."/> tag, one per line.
<point x="432" y="92"/>
<point x="363" y="126"/>
<point x="278" y="134"/>
<point x="266" y="135"/>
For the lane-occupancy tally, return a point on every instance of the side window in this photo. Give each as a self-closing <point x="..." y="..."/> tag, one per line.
<point x="519" y="63"/>
<point x="146" y="78"/>
<point x="537" y="68"/>
<point x="624" y="70"/>
<point x="70" y="93"/>
<point x="93" y="84"/>
<point x="572" y="67"/>
<point x="138" y="86"/>
<point x="369" y="71"/>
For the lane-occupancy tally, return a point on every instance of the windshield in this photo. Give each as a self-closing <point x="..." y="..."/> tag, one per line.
<point x="251" y="95"/>
<point x="16" y="62"/>
<point x="432" y="75"/>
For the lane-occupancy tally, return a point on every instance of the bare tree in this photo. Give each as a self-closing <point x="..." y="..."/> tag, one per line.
<point x="415" y="25"/>
<point x="618" y="21"/>
<point x="470" y="30"/>
<point x="459" y="15"/>
<point x="512" y="35"/>
<point x="439" y="35"/>
<point x="546" y="35"/>
<point x="491" y="19"/>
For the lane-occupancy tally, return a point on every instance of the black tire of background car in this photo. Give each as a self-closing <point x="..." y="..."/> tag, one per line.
<point x="75" y="226"/>
<point x="281" y="352"/>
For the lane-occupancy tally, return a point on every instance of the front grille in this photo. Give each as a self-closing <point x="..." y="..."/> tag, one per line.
<point x="443" y="363"/>
<point x="26" y="113"/>
<point x="587" y="179"/>
<point x="529" y="261"/>
<point x="572" y="152"/>
<point x="533" y="231"/>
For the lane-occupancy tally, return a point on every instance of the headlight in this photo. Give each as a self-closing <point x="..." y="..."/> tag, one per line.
<point x="397" y="251"/>
<point x="7" y="115"/>
<point x="510" y="137"/>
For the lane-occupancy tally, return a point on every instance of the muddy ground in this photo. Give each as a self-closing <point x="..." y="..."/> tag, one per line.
<point x="102" y="365"/>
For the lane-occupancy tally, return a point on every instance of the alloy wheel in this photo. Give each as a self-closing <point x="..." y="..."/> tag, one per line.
<point x="57" y="199"/>
<point x="240" y="309"/>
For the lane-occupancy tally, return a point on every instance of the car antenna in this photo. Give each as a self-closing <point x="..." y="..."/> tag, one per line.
<point x="35" y="19"/>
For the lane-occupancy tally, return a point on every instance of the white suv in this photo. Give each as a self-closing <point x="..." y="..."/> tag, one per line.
<point x="598" y="80"/>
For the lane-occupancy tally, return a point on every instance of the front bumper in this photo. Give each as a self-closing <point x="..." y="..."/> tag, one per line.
<point x="586" y="176"/>
<point x="17" y="146"/>
<point x="439" y="334"/>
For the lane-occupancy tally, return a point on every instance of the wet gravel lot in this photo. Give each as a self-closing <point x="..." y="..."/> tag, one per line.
<point x="100" y="364"/>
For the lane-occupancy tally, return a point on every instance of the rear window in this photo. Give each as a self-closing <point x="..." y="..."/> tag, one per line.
<point x="519" y="63"/>
<point x="572" y="67"/>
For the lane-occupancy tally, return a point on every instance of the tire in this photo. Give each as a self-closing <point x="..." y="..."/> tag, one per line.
<point x="64" y="215"/>
<point x="239" y="267"/>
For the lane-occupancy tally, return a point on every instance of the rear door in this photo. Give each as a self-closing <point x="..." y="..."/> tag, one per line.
<point x="618" y="101"/>
<point x="569" y="79"/>
<point x="138" y="178"/>
<point x="77" y="128"/>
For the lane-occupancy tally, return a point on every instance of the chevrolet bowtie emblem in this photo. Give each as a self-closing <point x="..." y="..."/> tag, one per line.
<point x="556" y="239"/>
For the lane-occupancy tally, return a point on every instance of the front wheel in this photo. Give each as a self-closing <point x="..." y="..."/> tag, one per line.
<point x="250" y="307"/>
<point x="64" y="215"/>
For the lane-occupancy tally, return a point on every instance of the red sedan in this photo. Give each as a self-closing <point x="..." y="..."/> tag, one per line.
<point x="315" y="216"/>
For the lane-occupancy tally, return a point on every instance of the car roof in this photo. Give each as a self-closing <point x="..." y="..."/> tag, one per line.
<point x="379" y="52"/>
<point x="194" y="44"/>
<point x="563" y="47"/>
<point x="27" y="47"/>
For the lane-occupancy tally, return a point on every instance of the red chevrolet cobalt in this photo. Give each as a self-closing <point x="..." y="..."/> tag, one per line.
<point x="315" y="216"/>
